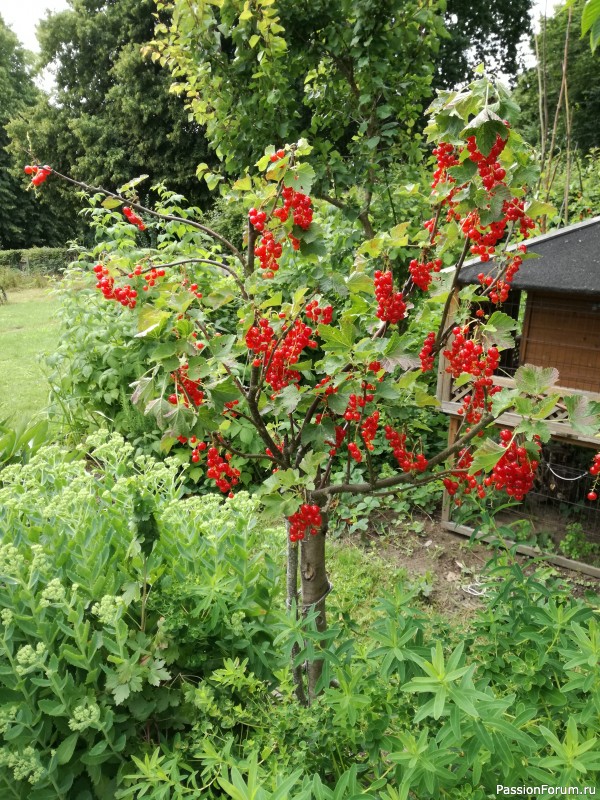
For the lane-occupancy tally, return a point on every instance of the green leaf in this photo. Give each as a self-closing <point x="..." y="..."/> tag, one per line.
<point x="310" y="462"/>
<point x="52" y="707"/>
<point x="300" y="178"/>
<point x="423" y="399"/>
<point x="65" y="750"/>
<point x="582" y="415"/>
<point x="212" y="180"/>
<point x="497" y="198"/>
<point x="338" y="338"/>
<point x="111" y="202"/>
<point x="289" y="398"/>
<point x="595" y="35"/>
<point x="539" y="209"/>
<point x="546" y="407"/>
<point x="131" y="184"/>
<point x="464" y="172"/>
<point x="151" y="321"/>
<point x="462" y="379"/>
<point x="165" y="350"/>
<point x="398" y="235"/>
<point x="284" y="786"/>
<point x="372" y="247"/>
<point x="533" y="380"/>
<point x="407" y="380"/>
<point x="486" y="456"/>
<point x="486" y="135"/>
<point x="121" y="693"/>
<point x="502" y="400"/>
<point x="359" y="282"/>
<point x="243" y="184"/>
<point x="591" y="14"/>
<point x="270" y="302"/>
<point x="497" y="330"/>
<point x="532" y="427"/>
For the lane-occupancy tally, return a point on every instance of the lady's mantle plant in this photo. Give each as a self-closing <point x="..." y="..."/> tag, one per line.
<point x="303" y="386"/>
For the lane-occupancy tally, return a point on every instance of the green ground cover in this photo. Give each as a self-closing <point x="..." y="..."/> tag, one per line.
<point x="28" y="330"/>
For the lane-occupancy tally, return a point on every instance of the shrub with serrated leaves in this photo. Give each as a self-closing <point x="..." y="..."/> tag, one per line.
<point x="94" y="545"/>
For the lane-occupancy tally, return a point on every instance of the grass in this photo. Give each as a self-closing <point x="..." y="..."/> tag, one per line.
<point x="28" y="330"/>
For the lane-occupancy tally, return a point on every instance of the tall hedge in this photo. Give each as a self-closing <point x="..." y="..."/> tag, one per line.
<point x="38" y="260"/>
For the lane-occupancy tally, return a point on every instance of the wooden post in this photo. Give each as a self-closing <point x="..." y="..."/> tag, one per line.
<point x="446" y="501"/>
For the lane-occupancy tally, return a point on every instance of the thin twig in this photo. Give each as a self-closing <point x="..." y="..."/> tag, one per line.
<point x="166" y="217"/>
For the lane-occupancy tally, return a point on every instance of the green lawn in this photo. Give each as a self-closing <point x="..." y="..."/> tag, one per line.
<point x="28" y="330"/>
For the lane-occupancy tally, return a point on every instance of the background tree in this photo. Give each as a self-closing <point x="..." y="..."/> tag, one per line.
<point x="351" y="77"/>
<point x="22" y="221"/>
<point x="112" y="115"/>
<point x="488" y="33"/>
<point x="581" y="75"/>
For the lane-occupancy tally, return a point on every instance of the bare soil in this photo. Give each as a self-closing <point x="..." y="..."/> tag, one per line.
<point x="451" y="565"/>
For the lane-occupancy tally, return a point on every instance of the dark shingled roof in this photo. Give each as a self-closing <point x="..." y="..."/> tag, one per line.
<point x="569" y="261"/>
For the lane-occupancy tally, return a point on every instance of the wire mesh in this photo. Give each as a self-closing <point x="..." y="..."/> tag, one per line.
<point x="560" y="332"/>
<point x="556" y="514"/>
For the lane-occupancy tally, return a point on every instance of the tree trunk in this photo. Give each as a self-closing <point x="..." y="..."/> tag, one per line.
<point x="315" y="588"/>
<point x="292" y="602"/>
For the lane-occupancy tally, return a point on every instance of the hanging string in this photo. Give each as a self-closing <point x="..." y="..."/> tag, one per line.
<point x="562" y="477"/>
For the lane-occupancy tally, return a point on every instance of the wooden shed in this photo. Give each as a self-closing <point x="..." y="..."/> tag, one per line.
<point x="557" y="299"/>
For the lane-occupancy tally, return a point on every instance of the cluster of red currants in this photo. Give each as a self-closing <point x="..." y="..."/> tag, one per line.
<point x="355" y="452"/>
<point x="460" y="478"/>
<point x="151" y="277"/>
<point x="352" y="414"/>
<point x="199" y="448"/>
<point x="595" y="471"/>
<point x="40" y="174"/>
<point x="467" y="355"/>
<point x="270" y="247"/>
<point x="340" y="435"/>
<point x="390" y="305"/>
<point x="408" y="461"/>
<point x="297" y="339"/>
<point x="133" y="218"/>
<point x="489" y="168"/>
<point x="368" y="430"/>
<point x="278" y="357"/>
<point x="268" y="252"/>
<point x="427" y="355"/>
<point x="299" y="204"/>
<point x="317" y="314"/>
<point x="515" y="471"/>
<point x="327" y="385"/>
<point x="125" y="295"/>
<point x="189" y="390"/>
<point x="307" y="519"/>
<point x="420" y="272"/>
<point x="446" y="159"/>
<point x="224" y="475"/>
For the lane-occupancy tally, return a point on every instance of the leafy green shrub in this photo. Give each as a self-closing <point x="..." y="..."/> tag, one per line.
<point x="95" y="363"/>
<point x="143" y="655"/>
<point x="46" y="260"/>
<point x="576" y="545"/>
<point x="20" y="443"/>
<point x="11" y="278"/>
<point x="10" y="259"/>
<point x="515" y="702"/>
<point x="94" y="551"/>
